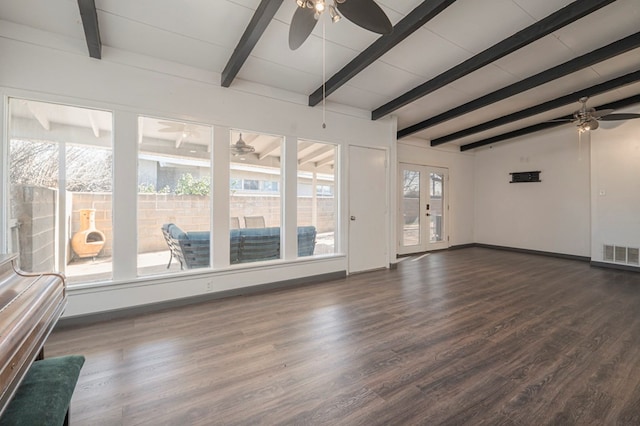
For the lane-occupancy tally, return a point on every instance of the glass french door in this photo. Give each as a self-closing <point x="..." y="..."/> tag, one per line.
<point x="423" y="208"/>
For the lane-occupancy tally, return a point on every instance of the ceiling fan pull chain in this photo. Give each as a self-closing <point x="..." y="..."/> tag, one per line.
<point x="324" y="73"/>
<point x="580" y="146"/>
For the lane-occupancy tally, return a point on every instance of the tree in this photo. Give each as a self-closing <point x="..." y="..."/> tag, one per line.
<point x="36" y="163"/>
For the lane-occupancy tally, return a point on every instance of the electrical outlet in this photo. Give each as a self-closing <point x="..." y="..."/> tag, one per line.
<point x="209" y="285"/>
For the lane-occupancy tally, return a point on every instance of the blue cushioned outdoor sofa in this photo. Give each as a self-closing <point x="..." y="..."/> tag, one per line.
<point x="246" y="244"/>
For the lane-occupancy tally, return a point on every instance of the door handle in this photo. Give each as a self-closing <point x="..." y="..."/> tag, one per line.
<point x="353" y="218"/>
<point x="428" y="214"/>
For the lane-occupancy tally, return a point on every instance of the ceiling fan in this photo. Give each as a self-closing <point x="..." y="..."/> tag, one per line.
<point x="587" y="118"/>
<point x="364" y="13"/>
<point x="185" y="130"/>
<point x="241" y="147"/>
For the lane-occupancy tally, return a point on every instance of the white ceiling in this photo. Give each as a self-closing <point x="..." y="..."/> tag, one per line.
<point x="204" y="33"/>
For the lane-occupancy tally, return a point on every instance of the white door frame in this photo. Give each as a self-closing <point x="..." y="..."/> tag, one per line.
<point x="425" y="240"/>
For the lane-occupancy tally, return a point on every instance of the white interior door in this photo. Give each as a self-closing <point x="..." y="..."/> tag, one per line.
<point x="423" y="208"/>
<point x="368" y="236"/>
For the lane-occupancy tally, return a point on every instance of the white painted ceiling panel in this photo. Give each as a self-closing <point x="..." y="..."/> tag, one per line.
<point x="401" y="7"/>
<point x="366" y="100"/>
<point x="536" y="57"/>
<point x="59" y="17"/>
<point x="483" y="81"/>
<point x="541" y="8"/>
<point x="425" y="53"/>
<point x="569" y="84"/>
<point x="203" y="20"/>
<point x="630" y="90"/>
<point x="472" y="24"/>
<point x="273" y="74"/>
<point x="441" y="100"/>
<point x="386" y="80"/>
<point x="622" y="64"/>
<point x="146" y="40"/>
<point x="613" y="22"/>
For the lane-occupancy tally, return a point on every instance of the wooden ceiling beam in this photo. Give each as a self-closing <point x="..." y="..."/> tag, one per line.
<point x="263" y="15"/>
<point x="546" y="26"/>
<point x="632" y="100"/>
<point x="403" y="29"/>
<point x="89" y="16"/>
<point x="543" y="107"/>
<point x="607" y="52"/>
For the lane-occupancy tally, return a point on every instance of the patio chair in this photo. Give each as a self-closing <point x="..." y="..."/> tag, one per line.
<point x="254" y="222"/>
<point x="190" y="248"/>
<point x="234" y="223"/>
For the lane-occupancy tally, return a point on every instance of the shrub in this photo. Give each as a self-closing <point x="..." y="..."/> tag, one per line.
<point x="188" y="185"/>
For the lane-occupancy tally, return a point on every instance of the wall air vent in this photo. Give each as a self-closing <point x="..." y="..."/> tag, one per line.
<point x="607" y="255"/>
<point x="620" y="254"/>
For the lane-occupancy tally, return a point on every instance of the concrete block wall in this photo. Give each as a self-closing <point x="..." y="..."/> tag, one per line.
<point x="34" y="209"/>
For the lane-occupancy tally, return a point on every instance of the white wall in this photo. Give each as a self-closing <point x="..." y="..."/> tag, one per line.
<point x="48" y="67"/>
<point x="461" y="175"/>
<point x="615" y="185"/>
<point x="551" y="216"/>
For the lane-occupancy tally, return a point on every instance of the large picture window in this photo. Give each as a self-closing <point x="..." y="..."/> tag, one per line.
<point x="174" y="195"/>
<point x="317" y="201"/>
<point x="60" y="179"/>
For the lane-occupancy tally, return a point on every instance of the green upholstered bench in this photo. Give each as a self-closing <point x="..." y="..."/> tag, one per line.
<point x="44" y="394"/>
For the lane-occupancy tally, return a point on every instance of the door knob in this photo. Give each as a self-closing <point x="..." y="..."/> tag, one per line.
<point x="353" y="218"/>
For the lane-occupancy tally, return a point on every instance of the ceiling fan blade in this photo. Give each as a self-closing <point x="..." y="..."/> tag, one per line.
<point x="302" y="24"/>
<point x="601" y="113"/>
<point x="366" y="14"/>
<point x="616" y="117"/>
<point x="170" y="126"/>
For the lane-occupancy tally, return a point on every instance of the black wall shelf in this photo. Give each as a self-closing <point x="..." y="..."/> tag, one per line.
<point x="521" y="177"/>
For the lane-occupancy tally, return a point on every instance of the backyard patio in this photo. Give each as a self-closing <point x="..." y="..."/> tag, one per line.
<point x="155" y="263"/>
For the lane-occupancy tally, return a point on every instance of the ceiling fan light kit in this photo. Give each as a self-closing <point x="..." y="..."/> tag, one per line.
<point x="588" y="125"/>
<point x="333" y="13"/>
<point x="364" y="13"/>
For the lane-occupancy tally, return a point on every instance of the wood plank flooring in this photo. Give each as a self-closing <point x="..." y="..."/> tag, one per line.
<point x="465" y="337"/>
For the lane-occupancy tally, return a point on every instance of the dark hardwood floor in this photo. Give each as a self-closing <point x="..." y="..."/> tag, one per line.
<point x="464" y="337"/>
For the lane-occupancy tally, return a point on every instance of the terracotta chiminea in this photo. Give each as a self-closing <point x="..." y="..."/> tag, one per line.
<point x="88" y="241"/>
